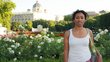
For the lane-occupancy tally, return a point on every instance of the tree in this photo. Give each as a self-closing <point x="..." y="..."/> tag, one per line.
<point x="68" y="17"/>
<point x="6" y="7"/>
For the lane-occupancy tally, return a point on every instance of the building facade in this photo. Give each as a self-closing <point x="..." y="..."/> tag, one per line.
<point x="38" y="12"/>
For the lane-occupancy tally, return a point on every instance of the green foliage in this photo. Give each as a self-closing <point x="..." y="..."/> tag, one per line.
<point x="44" y="23"/>
<point x="39" y="47"/>
<point x="6" y="7"/>
<point x="57" y="26"/>
<point x="51" y="25"/>
<point x="61" y="26"/>
<point x="34" y="60"/>
<point x="15" y="25"/>
<point x="91" y="23"/>
<point x="104" y="45"/>
<point x="29" y="25"/>
<point x="68" y="17"/>
<point x="104" y="21"/>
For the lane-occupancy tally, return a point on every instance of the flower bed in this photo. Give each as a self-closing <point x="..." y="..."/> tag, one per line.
<point x="24" y="47"/>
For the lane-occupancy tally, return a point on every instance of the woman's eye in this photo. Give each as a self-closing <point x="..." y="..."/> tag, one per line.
<point x="82" y="18"/>
<point x="79" y="17"/>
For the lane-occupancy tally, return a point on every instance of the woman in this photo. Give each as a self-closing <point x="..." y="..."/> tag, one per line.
<point x="76" y="40"/>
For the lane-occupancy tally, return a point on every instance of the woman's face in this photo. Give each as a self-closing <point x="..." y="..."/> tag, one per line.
<point x="79" y="19"/>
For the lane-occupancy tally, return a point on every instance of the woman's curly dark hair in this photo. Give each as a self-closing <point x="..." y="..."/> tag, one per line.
<point x="79" y="11"/>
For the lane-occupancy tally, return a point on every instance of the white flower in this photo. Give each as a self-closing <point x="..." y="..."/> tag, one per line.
<point x="52" y="33"/>
<point x="105" y="30"/>
<point x="62" y="38"/>
<point x="47" y="34"/>
<point x="47" y="29"/>
<point x="13" y="46"/>
<point x="53" y="56"/>
<point x="45" y="37"/>
<point x="42" y="43"/>
<point x="100" y="30"/>
<point x="21" y="27"/>
<point x="14" y="59"/>
<point x="95" y="38"/>
<point x="19" y="53"/>
<point x="39" y="27"/>
<point x="52" y="39"/>
<point x="35" y="55"/>
<point x="49" y="40"/>
<point x="9" y="49"/>
<point x="38" y="35"/>
<point x="59" y="40"/>
<point x="41" y="57"/>
<point x="17" y="44"/>
<point x="44" y="30"/>
<point x="38" y="46"/>
<point x="12" y="51"/>
<point x="13" y="40"/>
<point x="7" y="39"/>
<point x="101" y="33"/>
<point x="31" y="37"/>
<point x="30" y="42"/>
<point x="98" y="35"/>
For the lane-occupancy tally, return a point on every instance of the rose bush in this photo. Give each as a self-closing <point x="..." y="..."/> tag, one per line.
<point x="28" y="47"/>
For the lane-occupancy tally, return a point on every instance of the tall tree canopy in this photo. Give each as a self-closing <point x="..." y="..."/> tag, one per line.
<point x="6" y="7"/>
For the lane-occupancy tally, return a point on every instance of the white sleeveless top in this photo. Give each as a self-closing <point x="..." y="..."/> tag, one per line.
<point x="78" y="48"/>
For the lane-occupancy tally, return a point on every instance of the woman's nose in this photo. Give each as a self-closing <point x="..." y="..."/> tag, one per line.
<point x="79" y="19"/>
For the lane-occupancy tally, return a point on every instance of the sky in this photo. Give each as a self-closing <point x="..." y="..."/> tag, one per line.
<point x="63" y="7"/>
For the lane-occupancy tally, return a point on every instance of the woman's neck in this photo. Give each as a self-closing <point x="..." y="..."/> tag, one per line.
<point x="78" y="28"/>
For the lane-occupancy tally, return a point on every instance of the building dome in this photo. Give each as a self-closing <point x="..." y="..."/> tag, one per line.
<point x="36" y="5"/>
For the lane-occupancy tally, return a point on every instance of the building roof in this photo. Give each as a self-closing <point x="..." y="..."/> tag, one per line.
<point x="36" y="5"/>
<point x="92" y="13"/>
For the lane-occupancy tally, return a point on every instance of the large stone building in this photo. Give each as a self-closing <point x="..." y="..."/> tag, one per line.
<point x="92" y="13"/>
<point x="38" y="12"/>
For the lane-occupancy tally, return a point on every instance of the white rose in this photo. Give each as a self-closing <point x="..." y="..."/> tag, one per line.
<point x="105" y="30"/>
<point x="39" y="46"/>
<point x="100" y="30"/>
<point x="42" y="43"/>
<point x="98" y="36"/>
<point x="41" y="57"/>
<point x="49" y="40"/>
<point x="14" y="59"/>
<point x="12" y="51"/>
<point x="59" y="40"/>
<point x="35" y="55"/>
<point x="19" y="52"/>
<point x="13" y="46"/>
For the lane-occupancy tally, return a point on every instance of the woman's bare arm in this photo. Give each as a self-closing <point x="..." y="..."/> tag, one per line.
<point x="92" y="37"/>
<point x="66" y="46"/>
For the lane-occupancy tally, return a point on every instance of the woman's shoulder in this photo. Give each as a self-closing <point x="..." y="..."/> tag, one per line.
<point x="89" y="30"/>
<point x="67" y="32"/>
